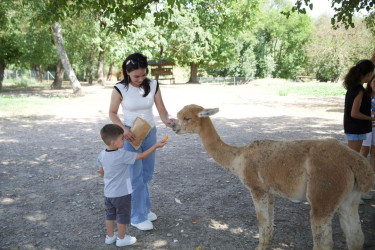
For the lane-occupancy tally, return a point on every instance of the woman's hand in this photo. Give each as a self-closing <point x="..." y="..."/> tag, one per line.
<point x="129" y="136"/>
<point x="169" y="123"/>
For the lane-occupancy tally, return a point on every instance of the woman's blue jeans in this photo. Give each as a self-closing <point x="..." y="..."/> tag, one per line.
<point x="141" y="174"/>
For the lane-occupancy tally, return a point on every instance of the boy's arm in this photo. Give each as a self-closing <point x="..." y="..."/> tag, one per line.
<point x="149" y="151"/>
<point x="101" y="171"/>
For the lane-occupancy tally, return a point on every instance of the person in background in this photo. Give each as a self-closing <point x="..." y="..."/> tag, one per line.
<point x="137" y="94"/>
<point x="357" y="111"/>
<point x="368" y="145"/>
<point x="114" y="167"/>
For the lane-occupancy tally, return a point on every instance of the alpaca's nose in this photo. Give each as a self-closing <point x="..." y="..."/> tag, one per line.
<point x="174" y="128"/>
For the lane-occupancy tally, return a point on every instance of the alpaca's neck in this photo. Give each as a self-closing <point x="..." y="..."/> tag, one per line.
<point x="221" y="152"/>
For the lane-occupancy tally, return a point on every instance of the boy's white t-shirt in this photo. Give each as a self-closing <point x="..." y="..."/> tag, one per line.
<point x="116" y="166"/>
<point x="135" y="105"/>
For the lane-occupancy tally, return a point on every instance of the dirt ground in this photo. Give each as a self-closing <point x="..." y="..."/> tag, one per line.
<point x="51" y="195"/>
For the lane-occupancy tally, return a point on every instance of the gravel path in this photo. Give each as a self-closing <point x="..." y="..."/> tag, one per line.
<point x="51" y="196"/>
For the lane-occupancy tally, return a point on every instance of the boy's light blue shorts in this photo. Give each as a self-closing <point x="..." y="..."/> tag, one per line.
<point x="356" y="137"/>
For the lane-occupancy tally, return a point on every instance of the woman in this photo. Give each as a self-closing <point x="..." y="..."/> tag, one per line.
<point x="137" y="94"/>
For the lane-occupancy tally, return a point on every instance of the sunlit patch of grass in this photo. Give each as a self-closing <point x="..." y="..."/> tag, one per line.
<point x="18" y="105"/>
<point x="317" y="90"/>
<point x="283" y="92"/>
<point x="24" y="82"/>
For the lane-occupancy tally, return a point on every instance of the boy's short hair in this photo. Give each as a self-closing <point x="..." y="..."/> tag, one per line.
<point x="110" y="132"/>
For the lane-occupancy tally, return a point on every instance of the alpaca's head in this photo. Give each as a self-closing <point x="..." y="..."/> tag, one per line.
<point x="189" y="119"/>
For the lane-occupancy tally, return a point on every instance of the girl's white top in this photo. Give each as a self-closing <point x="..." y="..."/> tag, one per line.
<point x="135" y="105"/>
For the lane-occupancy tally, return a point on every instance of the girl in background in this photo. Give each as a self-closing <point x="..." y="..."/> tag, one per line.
<point x="368" y="144"/>
<point x="357" y="112"/>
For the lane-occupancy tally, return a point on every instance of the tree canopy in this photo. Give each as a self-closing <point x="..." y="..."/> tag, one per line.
<point x="209" y="37"/>
<point x="345" y="10"/>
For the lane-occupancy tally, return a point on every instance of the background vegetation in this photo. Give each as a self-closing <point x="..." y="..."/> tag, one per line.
<point x="205" y="38"/>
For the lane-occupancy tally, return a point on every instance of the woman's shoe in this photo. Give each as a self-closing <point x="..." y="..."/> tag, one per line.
<point x="144" y="226"/>
<point x="151" y="216"/>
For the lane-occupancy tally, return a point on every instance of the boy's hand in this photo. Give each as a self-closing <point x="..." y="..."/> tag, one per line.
<point x="160" y="144"/>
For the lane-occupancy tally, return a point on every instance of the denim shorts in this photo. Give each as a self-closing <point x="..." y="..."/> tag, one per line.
<point x="356" y="137"/>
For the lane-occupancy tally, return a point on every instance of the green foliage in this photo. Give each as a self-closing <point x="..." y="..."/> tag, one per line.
<point x="118" y="16"/>
<point x="225" y="38"/>
<point x="328" y="69"/>
<point x="279" y="51"/>
<point x="344" y="10"/>
<point x="10" y="36"/>
<point x="332" y="51"/>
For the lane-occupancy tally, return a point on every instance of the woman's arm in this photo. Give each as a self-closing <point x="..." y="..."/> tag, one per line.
<point x="113" y="114"/>
<point x="355" y="109"/>
<point x="113" y="108"/>
<point x="163" y="113"/>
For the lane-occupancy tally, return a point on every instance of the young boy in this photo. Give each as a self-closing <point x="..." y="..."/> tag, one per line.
<point x="114" y="167"/>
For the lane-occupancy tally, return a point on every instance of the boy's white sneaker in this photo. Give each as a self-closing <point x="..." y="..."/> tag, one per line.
<point x="151" y="216"/>
<point x="110" y="240"/>
<point x="144" y="226"/>
<point x="126" y="241"/>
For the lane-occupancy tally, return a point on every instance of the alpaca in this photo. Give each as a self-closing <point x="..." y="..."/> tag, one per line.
<point x="328" y="174"/>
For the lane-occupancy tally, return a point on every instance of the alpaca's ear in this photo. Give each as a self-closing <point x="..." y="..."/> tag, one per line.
<point x="208" y="112"/>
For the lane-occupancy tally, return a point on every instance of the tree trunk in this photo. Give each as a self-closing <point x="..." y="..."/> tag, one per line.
<point x="193" y="73"/>
<point x="101" y="66"/>
<point x="77" y="89"/>
<point x="40" y="74"/>
<point x="2" y="70"/>
<point x="109" y="75"/>
<point x="91" y="68"/>
<point x="59" y="75"/>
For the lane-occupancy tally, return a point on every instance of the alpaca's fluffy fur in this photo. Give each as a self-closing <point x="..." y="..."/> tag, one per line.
<point x="328" y="174"/>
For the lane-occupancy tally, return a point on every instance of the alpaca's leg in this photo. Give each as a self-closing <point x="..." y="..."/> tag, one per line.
<point x="321" y="215"/>
<point x="265" y="221"/>
<point x="350" y="221"/>
<point x="271" y="205"/>
<point x="322" y="232"/>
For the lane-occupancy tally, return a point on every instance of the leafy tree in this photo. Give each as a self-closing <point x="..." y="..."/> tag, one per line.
<point x="38" y="48"/>
<point x="280" y="46"/>
<point x="10" y="37"/>
<point x="332" y="51"/>
<point x="218" y="25"/>
<point x="344" y="10"/>
<point x="120" y="13"/>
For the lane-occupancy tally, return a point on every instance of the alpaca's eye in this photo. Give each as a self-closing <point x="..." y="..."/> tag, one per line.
<point x="186" y="119"/>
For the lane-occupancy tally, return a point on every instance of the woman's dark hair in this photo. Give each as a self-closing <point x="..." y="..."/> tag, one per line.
<point x="355" y="74"/>
<point x="368" y="86"/>
<point x="133" y="62"/>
